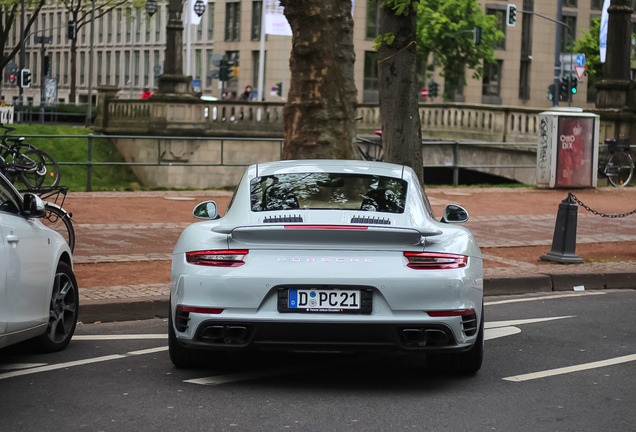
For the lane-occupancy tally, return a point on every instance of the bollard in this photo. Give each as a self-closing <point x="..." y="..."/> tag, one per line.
<point x="564" y="239"/>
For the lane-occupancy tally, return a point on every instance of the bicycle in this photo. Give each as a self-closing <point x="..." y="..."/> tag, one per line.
<point x="23" y="162"/>
<point x="371" y="149"/>
<point x="56" y="217"/>
<point x="618" y="166"/>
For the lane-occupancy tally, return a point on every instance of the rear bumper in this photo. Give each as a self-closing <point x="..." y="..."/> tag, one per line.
<point x="235" y="335"/>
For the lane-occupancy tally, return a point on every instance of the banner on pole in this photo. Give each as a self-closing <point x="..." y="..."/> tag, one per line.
<point x="602" y="37"/>
<point x="275" y="21"/>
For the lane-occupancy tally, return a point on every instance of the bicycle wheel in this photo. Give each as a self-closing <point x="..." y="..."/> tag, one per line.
<point x="59" y="220"/>
<point x="619" y="169"/>
<point x="39" y="170"/>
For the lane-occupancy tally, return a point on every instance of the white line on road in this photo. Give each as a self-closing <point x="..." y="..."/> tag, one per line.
<point x="571" y="369"/>
<point x="14" y="366"/>
<point x="545" y="297"/>
<point x="79" y="362"/>
<point x="500" y="332"/>
<point x="495" y="324"/>
<point x="119" y="337"/>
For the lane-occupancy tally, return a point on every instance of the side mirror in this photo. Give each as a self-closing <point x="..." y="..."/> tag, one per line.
<point x="33" y="206"/>
<point x="454" y="214"/>
<point x="206" y="210"/>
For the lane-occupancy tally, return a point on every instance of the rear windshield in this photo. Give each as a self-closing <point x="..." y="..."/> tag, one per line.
<point x="328" y="191"/>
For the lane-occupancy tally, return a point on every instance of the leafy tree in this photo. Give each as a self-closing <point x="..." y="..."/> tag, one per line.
<point x="401" y="126"/>
<point x="445" y="31"/>
<point x="10" y="11"/>
<point x="319" y="115"/>
<point x="81" y="12"/>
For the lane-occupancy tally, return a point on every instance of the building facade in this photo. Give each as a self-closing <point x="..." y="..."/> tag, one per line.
<point x="128" y="51"/>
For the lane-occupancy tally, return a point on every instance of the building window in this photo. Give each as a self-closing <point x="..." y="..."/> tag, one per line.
<point x="568" y="33"/>
<point x="373" y="17"/>
<point x="100" y="29"/>
<point x="232" y="20"/>
<point x="491" y="85"/>
<point x="257" y="13"/>
<point x="117" y="67"/>
<point x="59" y="28"/>
<point x="156" y="68"/>
<point x="500" y="24"/>
<point x="118" y="25"/>
<point x="126" y="68"/>
<point x="99" y="68"/>
<point x="109" y="25"/>
<point x="146" y="68"/>
<point x="66" y="67"/>
<point x="129" y="24"/>
<point x="158" y="25"/>
<point x="370" y="85"/>
<point x="210" y="21"/>
<point x="570" y="3"/>
<point x="108" y="76"/>
<point x="148" y="28"/>
<point x="58" y="61"/>
<point x="82" y="67"/>
<point x="136" y="65"/>
<point x="597" y="4"/>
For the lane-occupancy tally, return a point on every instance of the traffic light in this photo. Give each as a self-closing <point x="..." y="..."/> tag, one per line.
<point x="279" y="89"/>
<point x="71" y="30"/>
<point x="567" y="85"/>
<point x="25" y="78"/>
<point x="224" y="70"/>
<point x="511" y="15"/>
<point x="477" y="35"/>
<point x="433" y="89"/>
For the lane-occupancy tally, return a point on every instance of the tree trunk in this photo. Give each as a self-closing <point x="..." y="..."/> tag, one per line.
<point x="401" y="128"/>
<point x="321" y="104"/>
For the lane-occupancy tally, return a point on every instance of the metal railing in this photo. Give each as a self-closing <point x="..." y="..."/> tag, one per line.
<point x="158" y="160"/>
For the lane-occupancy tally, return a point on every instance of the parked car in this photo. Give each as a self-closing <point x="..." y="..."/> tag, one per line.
<point x="39" y="297"/>
<point x="327" y="255"/>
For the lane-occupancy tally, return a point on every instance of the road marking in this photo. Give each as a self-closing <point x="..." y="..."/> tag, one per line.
<point x="14" y="366"/>
<point x="495" y="324"/>
<point x="119" y="337"/>
<point x="546" y="297"/>
<point x="80" y="362"/>
<point x="246" y="376"/>
<point x="571" y="369"/>
<point x="500" y="332"/>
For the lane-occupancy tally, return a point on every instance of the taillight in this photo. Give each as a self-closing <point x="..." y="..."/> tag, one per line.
<point x="217" y="258"/>
<point x="327" y="227"/>
<point x="451" y="313"/>
<point x="215" y="311"/>
<point x="435" y="261"/>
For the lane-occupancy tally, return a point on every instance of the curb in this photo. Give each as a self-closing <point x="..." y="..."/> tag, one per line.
<point x="134" y="309"/>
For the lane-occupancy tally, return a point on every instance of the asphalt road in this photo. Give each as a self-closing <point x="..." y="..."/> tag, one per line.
<point x="556" y="362"/>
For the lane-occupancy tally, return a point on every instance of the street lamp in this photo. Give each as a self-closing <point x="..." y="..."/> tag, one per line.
<point x="199" y="7"/>
<point x="151" y="7"/>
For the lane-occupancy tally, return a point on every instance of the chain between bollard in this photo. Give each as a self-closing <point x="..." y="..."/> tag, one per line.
<point x="598" y="213"/>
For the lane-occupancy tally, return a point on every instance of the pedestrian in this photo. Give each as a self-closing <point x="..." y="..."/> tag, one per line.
<point x="146" y="93"/>
<point x="247" y="95"/>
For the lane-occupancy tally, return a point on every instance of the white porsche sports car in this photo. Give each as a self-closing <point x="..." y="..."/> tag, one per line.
<point x="327" y="255"/>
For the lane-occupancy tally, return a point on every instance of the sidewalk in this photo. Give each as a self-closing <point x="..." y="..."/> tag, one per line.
<point x="124" y="242"/>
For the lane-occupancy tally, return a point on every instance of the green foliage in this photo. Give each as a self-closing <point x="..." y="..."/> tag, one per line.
<point x="588" y="44"/>
<point x="399" y="7"/>
<point x="445" y="30"/>
<point x="387" y="38"/>
<point x="68" y="149"/>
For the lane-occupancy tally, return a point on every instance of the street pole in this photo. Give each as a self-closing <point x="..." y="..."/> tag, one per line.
<point x="22" y="62"/>
<point x="89" y="105"/>
<point x="557" y="55"/>
<point x="42" y="81"/>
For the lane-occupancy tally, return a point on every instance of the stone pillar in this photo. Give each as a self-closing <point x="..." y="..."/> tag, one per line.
<point x="173" y="83"/>
<point x="104" y="94"/>
<point x="615" y="98"/>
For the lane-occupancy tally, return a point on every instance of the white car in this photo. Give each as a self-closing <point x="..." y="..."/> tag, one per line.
<point x="327" y="255"/>
<point x="39" y="297"/>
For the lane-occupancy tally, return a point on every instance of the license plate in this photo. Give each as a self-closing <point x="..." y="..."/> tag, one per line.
<point x="316" y="300"/>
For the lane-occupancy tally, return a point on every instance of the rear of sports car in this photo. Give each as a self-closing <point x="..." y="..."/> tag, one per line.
<point x="346" y="272"/>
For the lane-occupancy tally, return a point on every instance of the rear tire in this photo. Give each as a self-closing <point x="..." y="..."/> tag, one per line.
<point x="45" y="175"/>
<point x="464" y="363"/>
<point x="619" y="169"/>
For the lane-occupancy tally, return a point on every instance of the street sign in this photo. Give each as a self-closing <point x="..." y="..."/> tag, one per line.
<point x="424" y="92"/>
<point x="580" y="59"/>
<point x="580" y="71"/>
